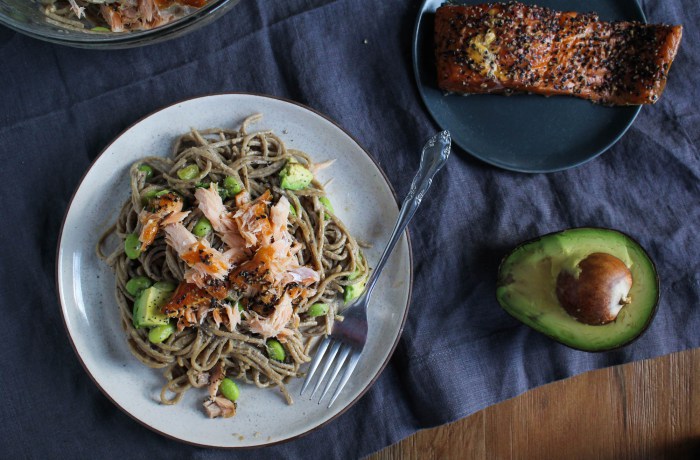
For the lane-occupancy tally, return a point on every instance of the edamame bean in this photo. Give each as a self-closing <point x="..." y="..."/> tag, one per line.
<point x="165" y="286"/>
<point x="160" y="333"/>
<point x="132" y="246"/>
<point x="146" y="169"/>
<point x="232" y="186"/>
<point x="202" y="227"/>
<point x="154" y="194"/>
<point x="275" y="350"/>
<point x="326" y="204"/>
<point x="318" y="309"/>
<point x="138" y="284"/>
<point x="188" y="172"/>
<point x="229" y="389"/>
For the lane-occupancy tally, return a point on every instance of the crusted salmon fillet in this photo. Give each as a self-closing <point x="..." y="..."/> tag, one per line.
<point x="506" y="48"/>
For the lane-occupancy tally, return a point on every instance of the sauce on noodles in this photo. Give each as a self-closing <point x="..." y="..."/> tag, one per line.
<point x="226" y="317"/>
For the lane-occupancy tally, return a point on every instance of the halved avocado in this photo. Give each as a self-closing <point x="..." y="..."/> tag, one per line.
<point x="528" y="281"/>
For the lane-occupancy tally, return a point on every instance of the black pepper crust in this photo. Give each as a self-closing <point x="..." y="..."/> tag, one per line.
<point x="512" y="47"/>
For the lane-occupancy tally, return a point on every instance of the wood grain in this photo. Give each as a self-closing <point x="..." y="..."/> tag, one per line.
<point x="643" y="410"/>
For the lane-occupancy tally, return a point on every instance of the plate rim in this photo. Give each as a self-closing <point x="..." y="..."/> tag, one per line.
<point x="422" y="10"/>
<point x="63" y="307"/>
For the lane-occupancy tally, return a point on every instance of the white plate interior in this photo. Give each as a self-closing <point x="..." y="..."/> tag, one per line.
<point x="361" y="197"/>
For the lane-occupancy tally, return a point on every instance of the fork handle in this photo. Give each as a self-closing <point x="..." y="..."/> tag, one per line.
<point x="434" y="156"/>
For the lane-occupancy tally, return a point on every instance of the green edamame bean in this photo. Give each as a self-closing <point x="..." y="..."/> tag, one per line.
<point x="132" y="246"/>
<point x="318" y="309"/>
<point x="153" y="194"/>
<point x="188" y="172"/>
<point x="148" y="195"/>
<point x="229" y="389"/>
<point x="138" y="284"/>
<point x="165" y="286"/>
<point x="146" y="169"/>
<point x="202" y="227"/>
<point x="160" y="333"/>
<point x="326" y="204"/>
<point x="232" y="186"/>
<point x="275" y="350"/>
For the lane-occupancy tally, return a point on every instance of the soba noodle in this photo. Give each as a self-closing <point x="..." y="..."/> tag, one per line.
<point x="255" y="160"/>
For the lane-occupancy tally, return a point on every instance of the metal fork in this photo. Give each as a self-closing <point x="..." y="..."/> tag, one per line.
<point x="348" y="337"/>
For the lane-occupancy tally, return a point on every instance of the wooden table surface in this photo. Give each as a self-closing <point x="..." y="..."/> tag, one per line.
<point x="643" y="410"/>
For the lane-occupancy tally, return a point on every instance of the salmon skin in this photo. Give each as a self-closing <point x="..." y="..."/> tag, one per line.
<point x="512" y="47"/>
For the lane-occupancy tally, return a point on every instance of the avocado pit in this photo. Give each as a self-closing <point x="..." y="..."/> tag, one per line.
<point x="599" y="292"/>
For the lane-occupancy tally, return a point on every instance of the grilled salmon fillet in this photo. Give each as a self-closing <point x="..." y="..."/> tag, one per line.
<point x="505" y="48"/>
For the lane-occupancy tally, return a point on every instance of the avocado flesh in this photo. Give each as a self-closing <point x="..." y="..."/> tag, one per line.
<point x="147" y="307"/>
<point x="527" y="287"/>
<point x="295" y="176"/>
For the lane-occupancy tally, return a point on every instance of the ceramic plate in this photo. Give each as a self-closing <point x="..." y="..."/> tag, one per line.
<point x="526" y="133"/>
<point x="362" y="197"/>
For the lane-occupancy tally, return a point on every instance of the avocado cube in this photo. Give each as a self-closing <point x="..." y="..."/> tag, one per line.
<point x="353" y="291"/>
<point x="294" y="176"/>
<point x="147" y="307"/>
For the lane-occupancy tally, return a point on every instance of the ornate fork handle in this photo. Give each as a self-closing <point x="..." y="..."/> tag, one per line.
<point x="433" y="158"/>
<point x="348" y="338"/>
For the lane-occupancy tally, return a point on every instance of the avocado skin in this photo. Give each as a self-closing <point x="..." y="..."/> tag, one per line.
<point x="505" y="279"/>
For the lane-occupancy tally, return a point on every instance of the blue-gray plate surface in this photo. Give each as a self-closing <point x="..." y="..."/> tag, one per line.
<point x="525" y="133"/>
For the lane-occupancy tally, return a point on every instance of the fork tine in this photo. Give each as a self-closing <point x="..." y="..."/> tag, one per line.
<point x="326" y="366"/>
<point x="314" y="364"/>
<point x="351" y="367"/>
<point x="338" y="364"/>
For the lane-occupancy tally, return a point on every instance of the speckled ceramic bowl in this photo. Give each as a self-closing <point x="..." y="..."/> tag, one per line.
<point x="25" y="16"/>
<point x="362" y="197"/>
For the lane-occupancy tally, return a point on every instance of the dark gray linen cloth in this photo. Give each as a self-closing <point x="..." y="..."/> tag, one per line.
<point x="351" y="60"/>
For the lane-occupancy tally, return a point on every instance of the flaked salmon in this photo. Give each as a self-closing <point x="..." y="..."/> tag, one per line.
<point x="219" y="406"/>
<point x="252" y="220"/>
<point x="259" y="266"/>
<point x="162" y="211"/>
<point x="192" y="305"/>
<point x="222" y="221"/>
<point x="123" y="15"/>
<point x="505" y="48"/>
<point x="198" y="254"/>
<point x="275" y="324"/>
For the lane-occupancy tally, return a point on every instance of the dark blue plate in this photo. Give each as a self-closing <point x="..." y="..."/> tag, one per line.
<point x="526" y="133"/>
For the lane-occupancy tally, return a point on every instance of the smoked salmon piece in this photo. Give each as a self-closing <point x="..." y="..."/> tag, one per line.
<point x="507" y="48"/>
